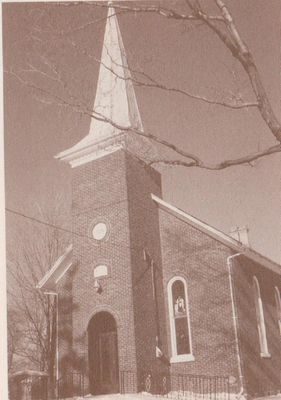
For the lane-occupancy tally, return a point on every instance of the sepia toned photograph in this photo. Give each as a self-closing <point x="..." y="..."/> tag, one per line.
<point x="142" y="172"/>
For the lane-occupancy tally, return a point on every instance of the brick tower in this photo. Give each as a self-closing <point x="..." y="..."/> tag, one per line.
<point x="117" y="293"/>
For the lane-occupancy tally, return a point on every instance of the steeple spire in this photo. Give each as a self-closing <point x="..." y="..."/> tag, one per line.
<point x="115" y="106"/>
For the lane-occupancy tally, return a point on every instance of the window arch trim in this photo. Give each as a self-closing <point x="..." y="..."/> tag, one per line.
<point x="260" y="319"/>
<point x="175" y="356"/>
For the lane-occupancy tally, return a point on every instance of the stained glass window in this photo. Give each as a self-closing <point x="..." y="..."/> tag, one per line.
<point x="179" y="317"/>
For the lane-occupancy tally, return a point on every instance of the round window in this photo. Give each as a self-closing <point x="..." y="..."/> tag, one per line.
<point x="99" y="231"/>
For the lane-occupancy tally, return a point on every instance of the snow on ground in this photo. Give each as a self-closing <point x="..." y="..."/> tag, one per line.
<point x="148" y="396"/>
<point x="118" y="396"/>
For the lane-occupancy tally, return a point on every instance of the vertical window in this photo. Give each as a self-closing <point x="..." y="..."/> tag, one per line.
<point x="179" y="320"/>
<point x="278" y="307"/>
<point x="260" y="318"/>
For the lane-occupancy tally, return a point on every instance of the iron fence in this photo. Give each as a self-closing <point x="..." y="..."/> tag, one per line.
<point x="166" y="386"/>
<point x="265" y="389"/>
<point x="199" y="387"/>
<point x="177" y="386"/>
<point x="71" y="384"/>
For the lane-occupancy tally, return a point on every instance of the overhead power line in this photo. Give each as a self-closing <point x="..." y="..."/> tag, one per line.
<point x="37" y="220"/>
<point x="65" y="230"/>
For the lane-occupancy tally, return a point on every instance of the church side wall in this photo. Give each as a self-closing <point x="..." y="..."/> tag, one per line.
<point x="261" y="374"/>
<point x="201" y="261"/>
<point x="145" y="235"/>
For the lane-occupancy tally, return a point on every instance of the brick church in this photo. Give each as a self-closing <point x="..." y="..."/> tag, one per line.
<point x="145" y="289"/>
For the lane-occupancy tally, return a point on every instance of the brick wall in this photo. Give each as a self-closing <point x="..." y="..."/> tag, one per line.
<point x="144" y="234"/>
<point x="100" y="194"/>
<point x="260" y="374"/>
<point x="116" y="189"/>
<point x="201" y="260"/>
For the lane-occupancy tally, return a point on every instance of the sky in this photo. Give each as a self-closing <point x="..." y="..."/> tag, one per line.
<point x="66" y="40"/>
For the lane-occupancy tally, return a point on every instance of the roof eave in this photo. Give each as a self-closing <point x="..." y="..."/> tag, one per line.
<point x="218" y="235"/>
<point x="63" y="263"/>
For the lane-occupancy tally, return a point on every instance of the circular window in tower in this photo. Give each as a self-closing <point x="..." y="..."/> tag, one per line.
<point x="99" y="231"/>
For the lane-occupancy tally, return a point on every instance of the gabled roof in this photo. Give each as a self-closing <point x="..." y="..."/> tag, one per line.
<point x="217" y="234"/>
<point x="49" y="281"/>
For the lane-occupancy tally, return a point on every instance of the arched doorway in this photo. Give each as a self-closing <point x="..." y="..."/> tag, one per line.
<point x="103" y="354"/>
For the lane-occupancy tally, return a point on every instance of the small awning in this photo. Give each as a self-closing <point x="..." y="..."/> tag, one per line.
<point x="27" y="373"/>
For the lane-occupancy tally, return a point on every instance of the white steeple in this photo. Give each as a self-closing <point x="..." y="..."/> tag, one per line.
<point x="115" y="104"/>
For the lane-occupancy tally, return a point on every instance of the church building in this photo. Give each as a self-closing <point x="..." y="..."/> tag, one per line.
<point x="146" y="292"/>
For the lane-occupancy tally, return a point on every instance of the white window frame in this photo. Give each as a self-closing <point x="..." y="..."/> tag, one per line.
<point x="260" y="319"/>
<point x="278" y="307"/>
<point x="178" y="357"/>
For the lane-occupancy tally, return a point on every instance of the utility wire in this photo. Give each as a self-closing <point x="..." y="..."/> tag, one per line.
<point x="81" y="235"/>
<point x="38" y="220"/>
<point x="71" y="232"/>
<point x="48" y="224"/>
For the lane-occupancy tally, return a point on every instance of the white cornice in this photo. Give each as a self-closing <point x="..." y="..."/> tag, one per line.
<point x="83" y="157"/>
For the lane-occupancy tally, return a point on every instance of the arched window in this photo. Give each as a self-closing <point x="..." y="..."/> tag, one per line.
<point x="260" y="318"/>
<point x="278" y="307"/>
<point x="179" y="320"/>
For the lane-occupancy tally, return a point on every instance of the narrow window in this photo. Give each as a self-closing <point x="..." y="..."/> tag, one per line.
<point x="179" y="320"/>
<point x="278" y="307"/>
<point x="260" y="318"/>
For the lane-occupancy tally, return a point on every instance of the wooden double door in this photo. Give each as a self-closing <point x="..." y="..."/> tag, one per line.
<point x="103" y="354"/>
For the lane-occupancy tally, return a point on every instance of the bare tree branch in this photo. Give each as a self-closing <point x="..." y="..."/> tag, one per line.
<point x="195" y="160"/>
<point x="227" y="33"/>
<point x="246" y="160"/>
<point x="163" y="11"/>
<point x="238" y="104"/>
<point x="240" y="52"/>
<point x="32" y="313"/>
<point x="234" y="43"/>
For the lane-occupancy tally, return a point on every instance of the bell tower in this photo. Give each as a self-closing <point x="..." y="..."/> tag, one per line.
<point x="118" y="307"/>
